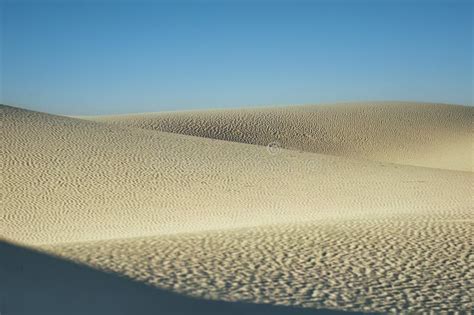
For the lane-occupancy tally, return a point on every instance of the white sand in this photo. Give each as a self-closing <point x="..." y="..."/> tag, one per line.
<point x="327" y="222"/>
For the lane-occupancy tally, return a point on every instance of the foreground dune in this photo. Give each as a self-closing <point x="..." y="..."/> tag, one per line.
<point x="42" y="284"/>
<point x="364" y="265"/>
<point x="184" y="210"/>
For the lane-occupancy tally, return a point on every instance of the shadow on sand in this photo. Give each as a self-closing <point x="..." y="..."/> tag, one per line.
<point x="36" y="283"/>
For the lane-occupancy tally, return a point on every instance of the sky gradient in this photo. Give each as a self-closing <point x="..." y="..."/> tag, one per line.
<point x="100" y="57"/>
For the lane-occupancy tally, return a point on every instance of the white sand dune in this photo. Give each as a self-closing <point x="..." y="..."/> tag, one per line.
<point x="180" y="208"/>
<point x="430" y="135"/>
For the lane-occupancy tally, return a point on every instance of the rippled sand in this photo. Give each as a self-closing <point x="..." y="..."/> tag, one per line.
<point x="358" y="207"/>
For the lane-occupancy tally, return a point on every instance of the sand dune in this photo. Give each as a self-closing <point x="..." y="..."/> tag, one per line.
<point x="76" y="181"/>
<point x="431" y="135"/>
<point x="196" y="207"/>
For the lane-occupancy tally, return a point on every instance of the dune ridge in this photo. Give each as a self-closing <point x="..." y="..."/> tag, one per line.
<point x="212" y="213"/>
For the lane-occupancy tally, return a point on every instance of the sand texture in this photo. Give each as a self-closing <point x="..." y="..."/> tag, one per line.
<point x="355" y="207"/>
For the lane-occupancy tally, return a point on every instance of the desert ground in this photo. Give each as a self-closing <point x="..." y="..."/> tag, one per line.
<point x="357" y="207"/>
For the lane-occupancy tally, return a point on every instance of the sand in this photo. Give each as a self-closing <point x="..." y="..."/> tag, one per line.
<point x="357" y="207"/>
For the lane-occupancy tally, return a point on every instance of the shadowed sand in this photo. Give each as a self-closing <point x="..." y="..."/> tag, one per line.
<point x="35" y="283"/>
<point x="195" y="203"/>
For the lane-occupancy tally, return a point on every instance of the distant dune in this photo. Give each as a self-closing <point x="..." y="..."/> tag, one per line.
<point x="355" y="207"/>
<point x="421" y="134"/>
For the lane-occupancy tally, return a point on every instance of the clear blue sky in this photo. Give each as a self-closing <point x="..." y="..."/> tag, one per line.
<point x="96" y="57"/>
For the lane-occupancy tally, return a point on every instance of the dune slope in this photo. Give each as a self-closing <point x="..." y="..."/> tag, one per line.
<point x="430" y="135"/>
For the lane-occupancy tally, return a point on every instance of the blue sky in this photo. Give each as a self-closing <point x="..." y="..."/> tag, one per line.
<point x="97" y="57"/>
